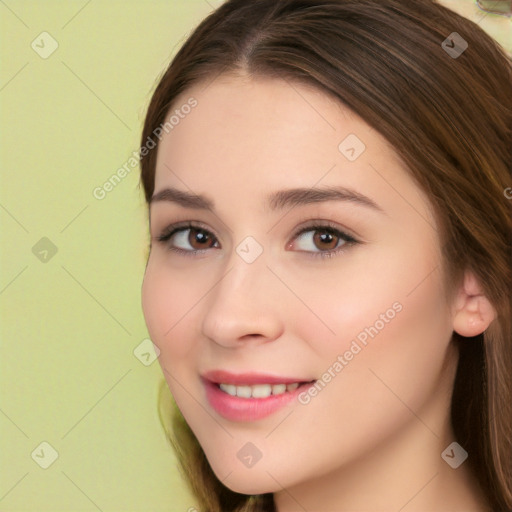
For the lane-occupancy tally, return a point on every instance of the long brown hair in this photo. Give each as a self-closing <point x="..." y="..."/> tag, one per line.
<point x="448" y="115"/>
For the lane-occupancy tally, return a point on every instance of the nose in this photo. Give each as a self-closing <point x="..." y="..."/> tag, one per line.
<point x="243" y="306"/>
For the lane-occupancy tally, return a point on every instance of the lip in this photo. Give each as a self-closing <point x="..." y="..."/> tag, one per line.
<point x="239" y="409"/>
<point x="249" y="379"/>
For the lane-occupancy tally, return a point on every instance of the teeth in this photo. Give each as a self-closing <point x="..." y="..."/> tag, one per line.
<point x="243" y="391"/>
<point x="230" y="389"/>
<point x="258" y="390"/>
<point x="278" y="389"/>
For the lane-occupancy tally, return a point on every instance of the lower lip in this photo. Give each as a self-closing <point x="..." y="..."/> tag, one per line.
<point x="235" y="408"/>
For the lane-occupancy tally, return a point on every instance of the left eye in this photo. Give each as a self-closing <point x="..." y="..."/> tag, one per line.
<point x="321" y="239"/>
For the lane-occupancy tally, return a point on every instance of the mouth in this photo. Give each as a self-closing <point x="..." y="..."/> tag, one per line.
<point x="250" y="396"/>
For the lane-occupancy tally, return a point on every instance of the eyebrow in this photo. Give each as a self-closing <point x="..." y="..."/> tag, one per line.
<point x="279" y="200"/>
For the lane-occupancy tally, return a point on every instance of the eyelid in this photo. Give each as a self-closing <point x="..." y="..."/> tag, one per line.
<point x="308" y="222"/>
<point x="175" y="226"/>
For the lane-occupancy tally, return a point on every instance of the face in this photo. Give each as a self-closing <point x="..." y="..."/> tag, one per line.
<point x="311" y="257"/>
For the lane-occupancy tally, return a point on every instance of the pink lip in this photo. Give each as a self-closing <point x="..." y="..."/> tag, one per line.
<point x="249" y="379"/>
<point x="234" y="408"/>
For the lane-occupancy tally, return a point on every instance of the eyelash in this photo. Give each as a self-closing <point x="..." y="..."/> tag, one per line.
<point x="328" y="227"/>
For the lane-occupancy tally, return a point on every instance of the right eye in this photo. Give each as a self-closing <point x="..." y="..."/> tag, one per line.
<point x="188" y="239"/>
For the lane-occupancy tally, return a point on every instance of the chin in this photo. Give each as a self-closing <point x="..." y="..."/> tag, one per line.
<point x="247" y="480"/>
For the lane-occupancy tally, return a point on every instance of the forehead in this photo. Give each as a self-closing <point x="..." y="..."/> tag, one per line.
<point x="239" y="118"/>
<point x="247" y="136"/>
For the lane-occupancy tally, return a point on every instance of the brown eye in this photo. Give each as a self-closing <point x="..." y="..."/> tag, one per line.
<point x="188" y="239"/>
<point x="199" y="239"/>
<point x="321" y="240"/>
<point x="325" y="240"/>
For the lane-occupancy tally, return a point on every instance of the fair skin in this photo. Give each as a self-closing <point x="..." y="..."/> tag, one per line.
<point x="372" y="438"/>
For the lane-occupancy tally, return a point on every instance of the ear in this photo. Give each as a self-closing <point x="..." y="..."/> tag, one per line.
<point x="473" y="311"/>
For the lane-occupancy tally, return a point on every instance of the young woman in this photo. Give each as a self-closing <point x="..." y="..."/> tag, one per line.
<point x="329" y="279"/>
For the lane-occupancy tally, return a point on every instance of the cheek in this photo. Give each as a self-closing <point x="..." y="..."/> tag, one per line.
<point x="387" y="317"/>
<point x="370" y="295"/>
<point x="411" y="356"/>
<point x="168" y="301"/>
<point x="401" y="368"/>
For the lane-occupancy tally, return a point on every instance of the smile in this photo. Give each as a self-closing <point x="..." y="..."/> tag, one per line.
<point x="250" y="397"/>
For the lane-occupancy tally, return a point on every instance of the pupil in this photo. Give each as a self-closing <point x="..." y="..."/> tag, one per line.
<point x="200" y="236"/>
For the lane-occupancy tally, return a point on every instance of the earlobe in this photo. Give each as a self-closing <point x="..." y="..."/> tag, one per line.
<point x="473" y="310"/>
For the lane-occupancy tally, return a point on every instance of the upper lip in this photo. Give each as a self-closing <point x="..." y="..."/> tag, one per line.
<point x="249" y="378"/>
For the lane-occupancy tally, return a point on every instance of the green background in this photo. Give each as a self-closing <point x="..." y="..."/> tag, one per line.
<point x="72" y="321"/>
